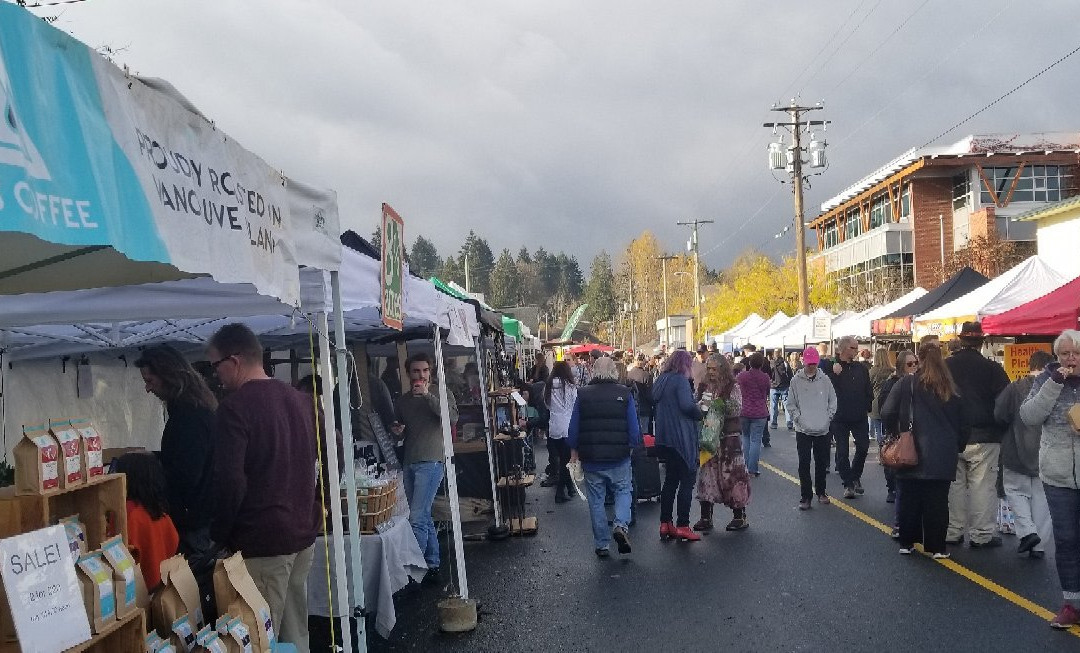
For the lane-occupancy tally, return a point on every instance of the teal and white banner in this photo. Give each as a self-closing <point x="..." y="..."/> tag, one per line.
<point x="92" y="156"/>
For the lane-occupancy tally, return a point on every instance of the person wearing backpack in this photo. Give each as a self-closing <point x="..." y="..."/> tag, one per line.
<point x="778" y="392"/>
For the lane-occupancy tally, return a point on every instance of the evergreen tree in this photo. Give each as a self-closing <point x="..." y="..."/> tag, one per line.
<point x="423" y="258"/>
<point x="376" y="237"/>
<point x="451" y="271"/>
<point x="481" y="262"/>
<point x="547" y="272"/>
<point x="600" y="292"/>
<point x="571" y="280"/>
<point x="527" y="289"/>
<point x="504" y="282"/>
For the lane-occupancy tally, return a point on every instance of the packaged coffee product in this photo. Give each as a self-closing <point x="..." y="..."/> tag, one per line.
<point x="153" y="642"/>
<point x="209" y="641"/>
<point x="123" y="575"/>
<point x="37" y="466"/>
<point x="236" y="594"/>
<point x="76" y="536"/>
<point x="179" y="596"/>
<point x="71" y="457"/>
<point x="92" y="447"/>
<point x="97" y="590"/>
<point x="235" y="634"/>
<point x="181" y="634"/>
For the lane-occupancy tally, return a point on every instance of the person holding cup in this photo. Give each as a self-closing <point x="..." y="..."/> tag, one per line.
<point x="1055" y="393"/>
<point x="419" y="423"/>
<point x="722" y="477"/>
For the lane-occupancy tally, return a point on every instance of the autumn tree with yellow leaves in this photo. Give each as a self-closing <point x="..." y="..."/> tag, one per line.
<point x="756" y="284"/>
<point x="639" y="285"/>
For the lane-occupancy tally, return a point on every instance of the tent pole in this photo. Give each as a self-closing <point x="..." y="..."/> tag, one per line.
<point x="489" y="433"/>
<point x="451" y="470"/>
<point x="344" y="388"/>
<point x="333" y="482"/>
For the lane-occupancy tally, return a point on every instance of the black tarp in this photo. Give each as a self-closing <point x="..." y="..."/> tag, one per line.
<point x="958" y="285"/>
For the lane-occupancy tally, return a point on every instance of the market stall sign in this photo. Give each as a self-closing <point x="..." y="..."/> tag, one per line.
<point x="393" y="254"/>
<point x="42" y="591"/>
<point x="944" y="329"/>
<point x="891" y="326"/>
<point x="1017" y="357"/>
<point x="822" y="329"/>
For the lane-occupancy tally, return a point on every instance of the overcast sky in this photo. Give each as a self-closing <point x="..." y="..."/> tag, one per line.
<point x="576" y="125"/>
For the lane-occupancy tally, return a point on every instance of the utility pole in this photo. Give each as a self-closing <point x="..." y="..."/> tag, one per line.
<point x="633" y="326"/>
<point x="693" y="246"/>
<point x="793" y="162"/>
<point x="467" y="289"/>
<point x="667" y="319"/>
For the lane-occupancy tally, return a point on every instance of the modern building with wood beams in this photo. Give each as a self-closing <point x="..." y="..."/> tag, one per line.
<point x="895" y="227"/>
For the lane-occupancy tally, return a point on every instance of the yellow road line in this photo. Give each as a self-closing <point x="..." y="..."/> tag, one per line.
<point x="978" y="579"/>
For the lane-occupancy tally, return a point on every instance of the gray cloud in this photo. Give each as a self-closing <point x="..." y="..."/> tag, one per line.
<point x="577" y="125"/>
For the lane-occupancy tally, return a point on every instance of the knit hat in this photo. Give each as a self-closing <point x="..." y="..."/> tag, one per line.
<point x="810" y="356"/>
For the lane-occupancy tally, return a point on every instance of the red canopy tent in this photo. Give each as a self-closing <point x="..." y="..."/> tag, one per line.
<point x="1048" y="315"/>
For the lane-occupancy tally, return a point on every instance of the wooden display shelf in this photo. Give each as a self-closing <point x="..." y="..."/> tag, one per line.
<point x="128" y="635"/>
<point x="509" y="481"/>
<point x="101" y="505"/>
<point x="472" y="446"/>
<point x="526" y="526"/>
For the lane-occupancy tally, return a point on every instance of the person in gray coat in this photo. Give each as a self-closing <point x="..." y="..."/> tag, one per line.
<point x="1020" y="461"/>
<point x="927" y="402"/>
<point x="1055" y="391"/>
<point x="811" y="405"/>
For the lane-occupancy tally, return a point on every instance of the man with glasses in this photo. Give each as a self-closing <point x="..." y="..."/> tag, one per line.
<point x="265" y="455"/>
<point x="854" y="397"/>
<point x="419" y="415"/>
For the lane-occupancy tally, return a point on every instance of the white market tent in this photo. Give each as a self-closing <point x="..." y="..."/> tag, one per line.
<point x="858" y="325"/>
<point x="796" y="333"/>
<point x="729" y="337"/>
<point x="754" y="334"/>
<point x="1027" y="281"/>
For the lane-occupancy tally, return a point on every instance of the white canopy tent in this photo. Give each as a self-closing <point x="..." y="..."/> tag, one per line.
<point x="796" y="332"/>
<point x="1029" y="280"/>
<point x="728" y="337"/>
<point x="754" y="334"/>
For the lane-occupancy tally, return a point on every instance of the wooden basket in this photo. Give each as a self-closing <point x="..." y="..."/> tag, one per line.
<point x="376" y="506"/>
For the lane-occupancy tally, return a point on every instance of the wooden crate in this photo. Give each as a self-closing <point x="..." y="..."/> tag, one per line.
<point x="128" y="635"/>
<point x="100" y="504"/>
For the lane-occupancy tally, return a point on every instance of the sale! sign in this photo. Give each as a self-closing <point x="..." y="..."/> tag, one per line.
<point x="392" y="278"/>
<point x="42" y="591"/>
<point x="1017" y="356"/>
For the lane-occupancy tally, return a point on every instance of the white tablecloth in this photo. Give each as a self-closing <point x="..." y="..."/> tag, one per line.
<point x="389" y="560"/>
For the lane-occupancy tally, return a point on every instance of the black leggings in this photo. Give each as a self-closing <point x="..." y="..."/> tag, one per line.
<point x="678" y="480"/>
<point x="558" y="455"/>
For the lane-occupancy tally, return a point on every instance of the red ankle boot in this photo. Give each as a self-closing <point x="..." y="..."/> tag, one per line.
<point x="667" y="529"/>
<point x="685" y="534"/>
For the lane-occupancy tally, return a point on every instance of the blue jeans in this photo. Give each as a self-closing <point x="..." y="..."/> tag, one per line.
<point x="597" y="484"/>
<point x="876" y="431"/>
<point x="776" y="397"/>
<point x="1064" y="504"/>
<point x="422" y="481"/>
<point x="752" y="430"/>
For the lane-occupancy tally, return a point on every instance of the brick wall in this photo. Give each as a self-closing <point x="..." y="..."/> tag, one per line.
<point x="982" y="223"/>
<point x="930" y="197"/>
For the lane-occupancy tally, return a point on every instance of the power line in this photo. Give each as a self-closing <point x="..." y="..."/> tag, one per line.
<point x="863" y="60"/>
<point x="1002" y="97"/>
<point x="826" y="43"/>
<point x="746" y="222"/>
<point x="841" y="46"/>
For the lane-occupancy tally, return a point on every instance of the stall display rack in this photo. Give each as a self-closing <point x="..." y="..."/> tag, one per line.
<point x="511" y="478"/>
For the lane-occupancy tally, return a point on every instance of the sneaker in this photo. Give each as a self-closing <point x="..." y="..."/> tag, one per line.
<point x="767" y="445"/>
<point x="992" y="543"/>
<point x="906" y="550"/>
<point x="1028" y="542"/>
<point x="858" y="487"/>
<point x="941" y="556"/>
<point x="849" y="493"/>
<point x="737" y="524"/>
<point x="805" y="504"/>
<point x="602" y="553"/>
<point x="1066" y="617"/>
<point x="895" y="533"/>
<point x="956" y="542"/>
<point x="890" y="497"/>
<point x="824" y="500"/>
<point x="622" y="539"/>
<point x="791" y="427"/>
<point x="773" y="426"/>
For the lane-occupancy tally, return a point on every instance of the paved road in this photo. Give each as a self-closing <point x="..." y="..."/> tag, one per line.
<point x="819" y="580"/>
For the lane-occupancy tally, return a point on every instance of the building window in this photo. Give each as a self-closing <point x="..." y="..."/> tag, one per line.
<point x="879" y="211"/>
<point x="1035" y="183"/>
<point x="853" y="224"/>
<point x="961" y="192"/>
<point x="831" y="237"/>
<point x="905" y="203"/>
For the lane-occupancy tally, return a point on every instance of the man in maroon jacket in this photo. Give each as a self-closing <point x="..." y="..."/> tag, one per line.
<point x="265" y="477"/>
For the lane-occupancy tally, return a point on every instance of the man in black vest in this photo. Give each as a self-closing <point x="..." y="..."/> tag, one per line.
<point x="603" y="429"/>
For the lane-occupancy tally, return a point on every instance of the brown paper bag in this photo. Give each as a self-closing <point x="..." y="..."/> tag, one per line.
<point x="97" y="589"/>
<point x="71" y="458"/>
<point x="75" y="531"/>
<point x="92" y="447"/>
<point x="124" y="575"/>
<point x="37" y="461"/>
<point x="179" y="597"/>
<point x="235" y="634"/>
<point x="181" y="635"/>
<point x="1074" y="417"/>
<point x="236" y="594"/>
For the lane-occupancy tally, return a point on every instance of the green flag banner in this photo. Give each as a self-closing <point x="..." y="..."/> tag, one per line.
<point x="572" y="323"/>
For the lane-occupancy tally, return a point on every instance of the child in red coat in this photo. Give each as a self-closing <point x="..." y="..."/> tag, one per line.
<point x="152" y="536"/>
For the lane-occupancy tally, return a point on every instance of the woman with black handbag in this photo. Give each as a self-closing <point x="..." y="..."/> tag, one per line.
<point x="926" y="404"/>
